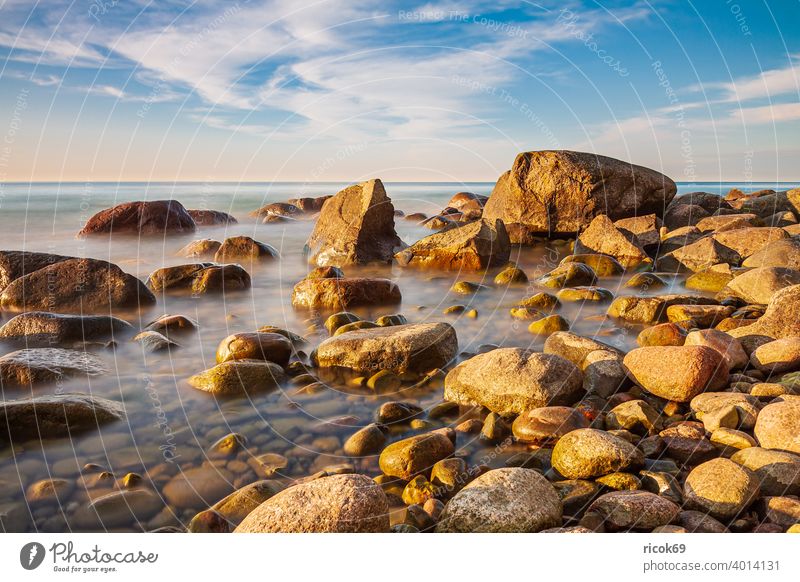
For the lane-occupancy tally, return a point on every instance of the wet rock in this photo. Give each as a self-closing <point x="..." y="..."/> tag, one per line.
<point x="676" y="373"/>
<point x="172" y="325"/>
<point x="43" y="329"/>
<point x="239" y="377"/>
<point x="634" y="510"/>
<point x="729" y="347"/>
<point x="280" y="209"/>
<point x="336" y="503"/>
<point x="578" y="294"/>
<point x="399" y="348"/>
<point x="241" y="248"/>
<point x="33" y="366"/>
<point x="119" y="508"/>
<point x="15" y="264"/>
<point x="158" y="217"/>
<point x="473" y="246"/>
<point x="204" y="217"/>
<point x="239" y="504"/>
<point x="651" y="309"/>
<point x="209" y="521"/>
<point x="83" y="286"/>
<point x="344" y="293"/>
<point x="415" y="455"/>
<point x="397" y="412"/>
<point x="365" y="442"/>
<point x="602" y="265"/>
<point x="271" y="347"/>
<point x="512" y="500"/>
<point x="356" y="226"/>
<point x="778" y="472"/>
<point x="52" y="491"/>
<point x="720" y="488"/>
<point x="513" y="380"/>
<point x="198" y="487"/>
<point x="559" y="192"/>
<point x="199" y="278"/>
<point x="547" y="424"/>
<point x="152" y="341"/>
<point x="228" y="446"/>
<point x="603" y="237"/>
<point x="568" y="275"/>
<point x="309" y="205"/>
<point x="778" y="426"/>
<point x="55" y="416"/>
<point x="702" y="315"/>
<point x="712" y="279"/>
<point x="200" y="249"/>
<point x="663" y="334"/>
<point x="548" y="325"/>
<point x="268" y="464"/>
<point x="588" y="453"/>
<point x="543" y="301"/>
<point x="511" y="276"/>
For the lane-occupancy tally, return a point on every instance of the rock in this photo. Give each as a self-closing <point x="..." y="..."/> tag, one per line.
<point x="686" y="443"/>
<point x="587" y="453"/>
<point x="603" y="373"/>
<point x="119" y="508"/>
<point x="783" y="511"/>
<point x="778" y="472"/>
<point x="559" y="192"/>
<point x="200" y="249"/>
<point x="198" y="487"/>
<point x="730" y="439"/>
<point x="344" y="293"/>
<point x="26" y="368"/>
<point x="365" y="442"/>
<point x="336" y="503"/>
<point x="547" y="424"/>
<point x="172" y="324"/>
<point x="781" y="319"/>
<point x="439" y="222"/>
<point x="547" y="325"/>
<point x="76" y="286"/>
<point x="725" y="222"/>
<point x="398" y="412"/>
<point x="329" y="272"/>
<point x="682" y="215"/>
<point x="747" y="406"/>
<point x="635" y="416"/>
<point x="474" y="246"/>
<point x="697" y="256"/>
<point x="543" y="301"/>
<point x="645" y="228"/>
<point x="309" y="205"/>
<point x="677" y="373"/>
<point x="513" y="380"/>
<point x="271" y="347"/>
<point x="356" y="226"/>
<point x="511" y="276"/>
<point x="700" y="315"/>
<point x="55" y="416"/>
<point x="720" y="488"/>
<point x="52" y="491"/>
<point x="712" y="280"/>
<point x="158" y="217"/>
<point x="415" y="455"/>
<point x="645" y="282"/>
<point x="602" y="265"/>
<point x="203" y="217"/>
<point x="43" y="329"/>
<point x="777" y="357"/>
<point x="579" y="294"/>
<point x="511" y="500"/>
<point x="209" y="521"/>
<point x="199" y="278"/>
<point x="239" y="377"/>
<point x="603" y="237"/>
<point x="15" y="264"/>
<point x="572" y="347"/>
<point x="152" y="341"/>
<point x="778" y="426"/>
<point x="282" y="209"/>
<point x="699" y="522"/>
<point x="239" y="504"/>
<point x="568" y="275"/>
<point x="748" y="241"/>
<point x="781" y="253"/>
<point x="663" y="334"/>
<point x="759" y="285"/>
<point x="399" y="348"/>
<point x="634" y="510"/>
<point x="240" y="248"/>
<point x="729" y="347"/>
<point x="651" y="309"/>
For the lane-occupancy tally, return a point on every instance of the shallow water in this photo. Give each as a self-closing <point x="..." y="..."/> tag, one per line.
<point x="169" y="424"/>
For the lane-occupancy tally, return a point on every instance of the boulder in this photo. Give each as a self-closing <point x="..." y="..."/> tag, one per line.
<point x="645" y="228"/>
<point x="285" y="209"/>
<point x="778" y="472"/>
<point x="15" y="264"/>
<point x="44" y="329"/>
<point x="721" y="488"/>
<point x="239" y="378"/>
<point x="777" y="357"/>
<point x="200" y="249"/>
<point x="634" y="510"/>
<point x="700" y="315"/>
<point x="309" y="205"/>
<point x="677" y="373"/>
<point x="781" y="319"/>
<point x="728" y="346"/>
<point x="198" y="487"/>
<point x="55" y="416"/>
<point x="651" y="309"/>
<point x="33" y="366"/>
<point x="588" y="453"/>
<point x="513" y="380"/>
<point x="602" y="265"/>
<point x="568" y="275"/>
<point x="471" y="247"/>
<point x="356" y="226"/>
<point x="332" y="504"/>
<point x="760" y="284"/>
<point x="76" y="286"/>
<point x="603" y="373"/>
<point x="781" y="253"/>
<point x="683" y="215"/>
<point x="400" y="348"/>
<point x="697" y="256"/>
<point x="723" y="222"/>
<point x="748" y="241"/>
<point x="415" y="455"/>
<point x="158" y="217"/>
<point x="573" y="347"/>
<point x="344" y="293"/>
<point x="708" y="201"/>
<point x="603" y="237"/>
<point x="271" y="347"/>
<point x="778" y="426"/>
<point x="560" y="192"/>
<point x="152" y="341"/>
<point x="199" y="278"/>
<point x="204" y="217"/>
<point x="747" y="406"/>
<point x="241" y="248"/>
<point x="509" y="500"/>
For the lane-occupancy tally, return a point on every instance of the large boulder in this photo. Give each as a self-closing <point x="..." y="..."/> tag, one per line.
<point x="44" y="329"/>
<point x="15" y="264"/>
<point x="587" y="453"/>
<point x="748" y="241"/>
<point x="56" y="416"/>
<point x="474" y="246"/>
<point x="158" y="217"/>
<point x="781" y="319"/>
<point x="780" y="253"/>
<point x="509" y="500"/>
<point x="760" y="284"/>
<point x="605" y="238"/>
<point x="338" y="504"/>
<point x="343" y="293"/>
<point x="76" y="286"/>
<point x="513" y="380"/>
<point x="413" y="347"/>
<point x="560" y="192"/>
<point x="356" y="226"/>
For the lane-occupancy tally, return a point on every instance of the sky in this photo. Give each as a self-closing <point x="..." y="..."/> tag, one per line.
<point x="450" y="91"/>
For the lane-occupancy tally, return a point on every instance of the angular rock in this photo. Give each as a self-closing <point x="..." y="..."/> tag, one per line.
<point x="697" y="256"/>
<point x="683" y="215"/>
<point x="158" y="217"/>
<point x="723" y="222"/>
<point x="781" y="253"/>
<point x="338" y="294"/>
<point x="471" y="247"/>
<point x="781" y="319"/>
<point x="645" y="228"/>
<point x="748" y="241"/>
<point x="760" y="284"/>
<point x="603" y="237"/>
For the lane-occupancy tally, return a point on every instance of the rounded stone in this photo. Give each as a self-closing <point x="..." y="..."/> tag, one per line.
<point x="778" y="426"/>
<point x="587" y="453"/>
<point x="412" y="456"/>
<point x="778" y="472"/>
<point x="271" y="347"/>
<point x="721" y="488"/>
<point x="198" y="487"/>
<point x="366" y="441"/>
<point x="634" y="510"/>
<point x="547" y="424"/>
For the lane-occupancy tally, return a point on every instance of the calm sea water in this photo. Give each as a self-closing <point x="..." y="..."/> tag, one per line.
<point x="169" y="424"/>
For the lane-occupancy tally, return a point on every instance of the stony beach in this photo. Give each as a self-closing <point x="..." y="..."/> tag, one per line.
<point x="581" y="351"/>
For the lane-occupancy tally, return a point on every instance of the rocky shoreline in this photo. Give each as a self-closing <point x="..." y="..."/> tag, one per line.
<point x="696" y="429"/>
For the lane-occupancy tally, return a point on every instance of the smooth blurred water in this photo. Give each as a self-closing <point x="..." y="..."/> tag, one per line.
<point x="165" y="413"/>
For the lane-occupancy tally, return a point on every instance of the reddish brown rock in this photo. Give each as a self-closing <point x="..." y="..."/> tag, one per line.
<point x="158" y="217"/>
<point x="203" y="217"/>
<point x="15" y="264"/>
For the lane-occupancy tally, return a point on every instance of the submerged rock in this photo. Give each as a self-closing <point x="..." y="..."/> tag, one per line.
<point x="200" y="249"/>
<point x="198" y="487"/>
<point x="158" y="217"/>
<point x="344" y="293"/>
<point x="239" y="248"/>
<point x="199" y="278"/>
<point x="119" y="508"/>
<point x="272" y="347"/>
<point x="33" y="366"/>
<point x="203" y="217"/>
<point x="55" y="416"/>
<point x="471" y="247"/>
<point x="152" y="341"/>
<point x="15" y="264"/>
<point x="239" y="504"/>
<point x="239" y="377"/>
<point x="41" y="328"/>
<point x="356" y="226"/>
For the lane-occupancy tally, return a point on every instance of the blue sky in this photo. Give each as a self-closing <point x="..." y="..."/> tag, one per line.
<point x="441" y="91"/>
